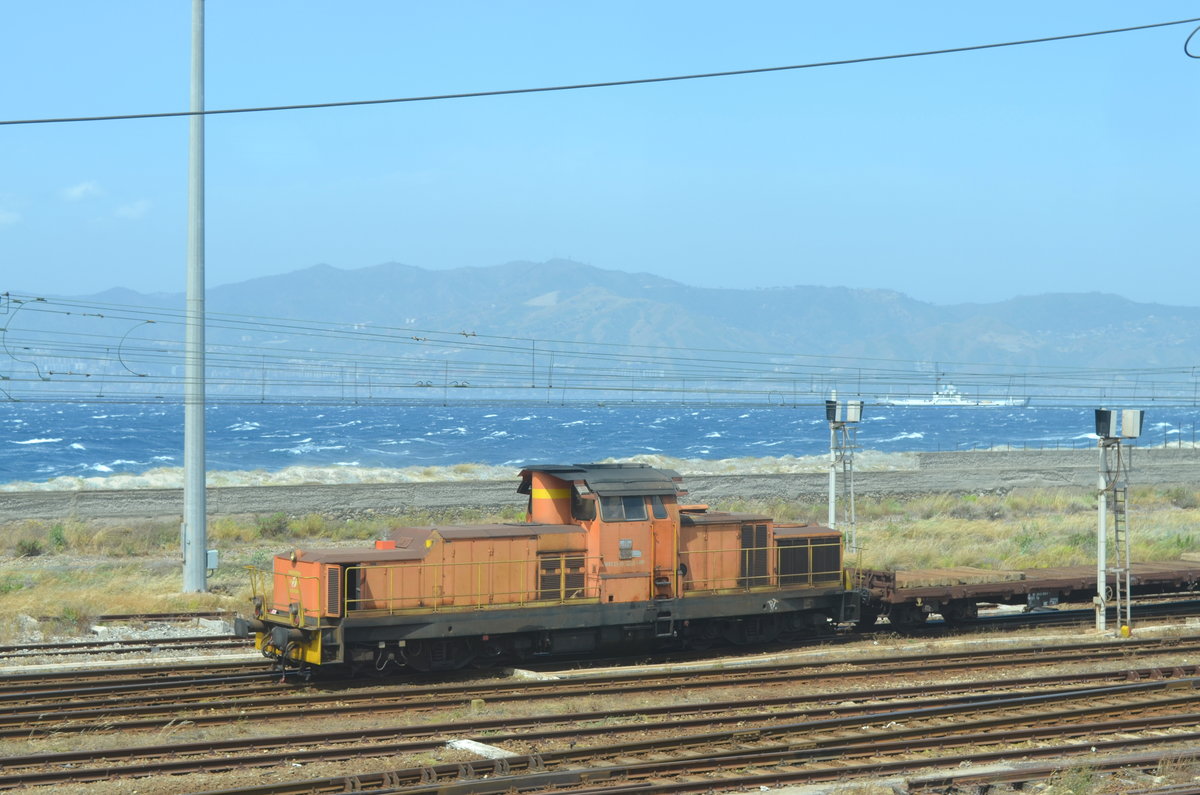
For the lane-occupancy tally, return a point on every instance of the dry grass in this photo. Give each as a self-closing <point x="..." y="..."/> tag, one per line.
<point x="71" y="570"/>
<point x="1022" y="529"/>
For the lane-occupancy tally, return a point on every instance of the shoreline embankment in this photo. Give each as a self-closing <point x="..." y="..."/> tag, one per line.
<point x="965" y="472"/>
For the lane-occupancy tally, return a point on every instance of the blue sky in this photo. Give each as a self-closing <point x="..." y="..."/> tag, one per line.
<point x="1059" y="167"/>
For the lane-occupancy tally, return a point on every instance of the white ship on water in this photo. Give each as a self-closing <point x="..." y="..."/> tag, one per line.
<point x="950" y="396"/>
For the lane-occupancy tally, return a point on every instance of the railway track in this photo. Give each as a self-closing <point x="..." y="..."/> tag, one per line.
<point x="123" y="646"/>
<point x="756" y="714"/>
<point x="810" y="751"/>
<point x="189" y="698"/>
<point x="799" y="746"/>
<point x="163" y="617"/>
<point x="32" y="682"/>
<point x="248" y="698"/>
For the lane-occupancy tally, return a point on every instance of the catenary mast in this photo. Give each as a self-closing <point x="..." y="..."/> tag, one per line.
<point x="194" y="531"/>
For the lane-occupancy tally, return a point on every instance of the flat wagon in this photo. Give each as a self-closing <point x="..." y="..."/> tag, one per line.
<point x="908" y="598"/>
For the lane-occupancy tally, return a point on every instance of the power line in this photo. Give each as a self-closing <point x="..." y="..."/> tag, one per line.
<point x="606" y="83"/>
<point x="98" y="357"/>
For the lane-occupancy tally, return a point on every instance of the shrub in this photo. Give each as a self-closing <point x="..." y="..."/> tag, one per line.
<point x="58" y="538"/>
<point x="9" y="584"/>
<point x="1181" y="497"/>
<point x="230" y="530"/>
<point x="29" y="548"/>
<point x="273" y="526"/>
<point x="310" y="526"/>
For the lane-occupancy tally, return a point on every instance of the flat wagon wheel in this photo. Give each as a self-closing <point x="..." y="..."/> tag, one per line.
<point x="867" y="616"/>
<point x="906" y="617"/>
<point x="960" y="611"/>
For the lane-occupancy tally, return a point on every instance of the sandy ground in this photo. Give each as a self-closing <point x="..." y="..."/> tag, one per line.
<point x="946" y="472"/>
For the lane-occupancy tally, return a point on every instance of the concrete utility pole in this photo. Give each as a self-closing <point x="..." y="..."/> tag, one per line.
<point x="831" y="521"/>
<point x="1111" y="509"/>
<point x="843" y="417"/>
<point x="195" y="530"/>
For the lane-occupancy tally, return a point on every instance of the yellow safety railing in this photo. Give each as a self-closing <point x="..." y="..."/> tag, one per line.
<point x="709" y="570"/>
<point x="293" y="586"/>
<point x="400" y="588"/>
<point x="257" y="588"/>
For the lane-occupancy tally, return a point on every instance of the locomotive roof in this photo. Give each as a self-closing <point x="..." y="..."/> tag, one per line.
<point x="616" y="479"/>
<point x="719" y="517"/>
<point x="513" y="530"/>
<point x="410" y="541"/>
<point x="355" y="556"/>
<point x="412" y="537"/>
<point x="802" y="530"/>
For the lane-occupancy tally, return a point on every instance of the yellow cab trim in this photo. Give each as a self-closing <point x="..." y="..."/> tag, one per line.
<point x="551" y="494"/>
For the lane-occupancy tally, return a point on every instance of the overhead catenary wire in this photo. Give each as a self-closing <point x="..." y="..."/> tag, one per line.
<point x="626" y="351"/>
<point x="95" y="355"/>
<point x="677" y="356"/>
<point x="608" y="83"/>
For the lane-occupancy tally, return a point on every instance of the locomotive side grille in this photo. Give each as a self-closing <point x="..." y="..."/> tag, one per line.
<point x="754" y="555"/>
<point x="827" y="563"/>
<point x="573" y="581"/>
<point x="805" y="561"/>
<point x="560" y="576"/>
<point x="334" y="590"/>
<point x="793" y="561"/>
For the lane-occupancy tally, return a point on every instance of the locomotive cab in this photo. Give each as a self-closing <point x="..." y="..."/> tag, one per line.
<point x="630" y="514"/>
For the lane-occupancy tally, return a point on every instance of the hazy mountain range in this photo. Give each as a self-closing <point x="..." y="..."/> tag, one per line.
<point x="564" y="300"/>
<point x="386" y="330"/>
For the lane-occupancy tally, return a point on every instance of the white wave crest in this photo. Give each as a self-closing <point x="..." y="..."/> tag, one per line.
<point x="350" y="473"/>
<point x="902" y="436"/>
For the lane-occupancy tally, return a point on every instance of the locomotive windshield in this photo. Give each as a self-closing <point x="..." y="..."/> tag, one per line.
<point x="623" y="509"/>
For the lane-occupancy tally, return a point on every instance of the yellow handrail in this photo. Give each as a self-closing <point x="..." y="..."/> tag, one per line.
<point x="742" y="579"/>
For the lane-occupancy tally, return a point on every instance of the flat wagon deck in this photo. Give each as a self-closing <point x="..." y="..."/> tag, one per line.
<point x="908" y="597"/>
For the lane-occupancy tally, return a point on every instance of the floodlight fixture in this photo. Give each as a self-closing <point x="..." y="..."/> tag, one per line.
<point x="843" y="410"/>
<point x="1128" y="420"/>
<point x="1131" y="423"/>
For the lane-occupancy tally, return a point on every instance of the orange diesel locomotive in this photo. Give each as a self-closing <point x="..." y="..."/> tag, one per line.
<point x="609" y="557"/>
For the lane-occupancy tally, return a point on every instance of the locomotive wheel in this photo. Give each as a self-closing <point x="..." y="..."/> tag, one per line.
<point x="489" y="654"/>
<point x="438" y="655"/>
<point x="907" y="617"/>
<point x="822" y="624"/>
<point x="702" y="636"/>
<point x="753" y="630"/>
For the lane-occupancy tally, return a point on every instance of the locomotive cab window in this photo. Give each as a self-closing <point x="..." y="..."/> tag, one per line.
<point x="582" y="509"/>
<point x="656" y="505"/>
<point x="623" y="509"/>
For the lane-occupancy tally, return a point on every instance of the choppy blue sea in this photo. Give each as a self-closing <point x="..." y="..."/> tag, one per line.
<point x="74" y="445"/>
